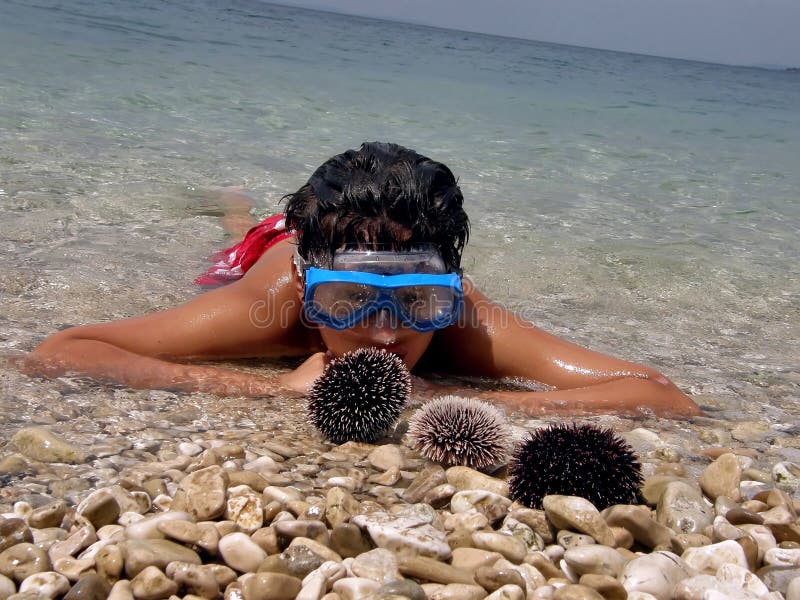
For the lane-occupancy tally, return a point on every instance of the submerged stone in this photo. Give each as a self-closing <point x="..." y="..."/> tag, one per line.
<point x="42" y="444"/>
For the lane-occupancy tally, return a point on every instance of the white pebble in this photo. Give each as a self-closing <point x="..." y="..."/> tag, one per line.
<point x="48" y="583"/>
<point x="240" y="552"/>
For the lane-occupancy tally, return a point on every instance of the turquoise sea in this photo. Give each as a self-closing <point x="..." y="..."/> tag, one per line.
<point x="642" y="206"/>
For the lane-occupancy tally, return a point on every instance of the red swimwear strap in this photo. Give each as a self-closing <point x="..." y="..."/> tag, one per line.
<point x="232" y="263"/>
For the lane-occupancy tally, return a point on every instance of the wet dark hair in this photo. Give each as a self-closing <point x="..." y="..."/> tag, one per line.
<point x="381" y="194"/>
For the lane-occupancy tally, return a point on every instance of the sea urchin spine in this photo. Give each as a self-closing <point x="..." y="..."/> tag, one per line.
<point x="359" y="395"/>
<point x="460" y="431"/>
<point x="575" y="460"/>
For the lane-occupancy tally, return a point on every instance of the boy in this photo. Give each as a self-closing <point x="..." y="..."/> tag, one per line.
<point x="367" y="254"/>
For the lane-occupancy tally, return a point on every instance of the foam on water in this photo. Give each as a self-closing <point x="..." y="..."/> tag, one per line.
<point x="642" y="206"/>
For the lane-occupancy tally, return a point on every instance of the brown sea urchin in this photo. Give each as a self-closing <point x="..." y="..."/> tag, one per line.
<point x="460" y="431"/>
<point x="575" y="460"/>
<point x="359" y="395"/>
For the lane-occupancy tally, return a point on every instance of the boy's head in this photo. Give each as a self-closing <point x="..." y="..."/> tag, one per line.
<point x="388" y="198"/>
<point x="382" y="194"/>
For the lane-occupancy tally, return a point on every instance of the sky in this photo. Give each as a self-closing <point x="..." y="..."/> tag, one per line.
<point x="738" y="32"/>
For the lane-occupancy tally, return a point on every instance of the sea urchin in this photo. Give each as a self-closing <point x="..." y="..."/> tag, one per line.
<point x="575" y="460"/>
<point x="460" y="431"/>
<point x="359" y="395"/>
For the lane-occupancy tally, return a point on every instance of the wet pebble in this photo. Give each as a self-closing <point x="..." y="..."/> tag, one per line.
<point x="401" y="533"/>
<point x="202" y="494"/>
<point x="572" y="512"/>
<point x="722" y="478"/>
<point x="48" y="584"/>
<point x="152" y="584"/>
<point x="23" y="560"/>
<point x="683" y="509"/>
<point x="240" y="552"/>
<point x="89" y="587"/>
<point x="43" y="445"/>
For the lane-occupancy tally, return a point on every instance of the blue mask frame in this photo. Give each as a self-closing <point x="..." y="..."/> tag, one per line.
<point x="385" y="285"/>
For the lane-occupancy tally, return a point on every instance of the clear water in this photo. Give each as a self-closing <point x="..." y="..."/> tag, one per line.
<point x="641" y="206"/>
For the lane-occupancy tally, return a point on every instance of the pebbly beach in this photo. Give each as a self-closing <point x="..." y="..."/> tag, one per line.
<point x="640" y="206"/>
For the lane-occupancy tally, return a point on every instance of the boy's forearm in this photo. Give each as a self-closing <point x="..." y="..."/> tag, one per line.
<point x="106" y="362"/>
<point x="626" y="396"/>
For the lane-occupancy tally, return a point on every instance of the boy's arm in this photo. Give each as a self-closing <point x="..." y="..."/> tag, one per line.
<point x="256" y="316"/>
<point x="494" y="342"/>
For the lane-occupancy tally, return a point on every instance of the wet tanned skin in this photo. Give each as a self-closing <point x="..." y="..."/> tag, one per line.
<point x="261" y="316"/>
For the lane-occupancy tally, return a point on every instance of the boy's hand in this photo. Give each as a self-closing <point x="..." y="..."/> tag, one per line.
<point x="303" y="377"/>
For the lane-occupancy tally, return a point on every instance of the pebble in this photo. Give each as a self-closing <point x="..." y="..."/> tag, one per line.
<point x="354" y="588"/>
<point x="722" y="478"/>
<point x="793" y="589"/>
<point x="400" y="590"/>
<point x="315" y="530"/>
<point x="13" y="531"/>
<point x="379" y="565"/>
<point x="7" y="587"/>
<point x="508" y="546"/>
<point x="48" y="584"/>
<point x="778" y="578"/>
<point x="89" y="587"/>
<point x="121" y="590"/>
<point x="246" y="510"/>
<point x="470" y="559"/>
<point x="595" y="559"/>
<point x="202" y="493"/>
<point x="638" y="522"/>
<point x="457" y="591"/>
<point x="576" y="592"/>
<point x="464" y="478"/>
<point x="763" y="537"/>
<point x="73" y="568"/>
<point x="340" y="506"/>
<point x="195" y="579"/>
<point x="507" y="592"/>
<point x="152" y="584"/>
<point x="348" y="541"/>
<point x="607" y="586"/>
<point x="23" y="560"/>
<point x="429" y="569"/>
<point x="428" y="478"/>
<point x="151" y="527"/>
<point x="283" y="495"/>
<point x="491" y="505"/>
<point x="786" y="476"/>
<point x="43" y="445"/>
<point x="270" y="586"/>
<point x="440" y="496"/>
<point x="655" y="574"/>
<point x="49" y="515"/>
<point x="240" y="552"/>
<point x="786" y="557"/>
<point x="139" y="554"/>
<point x="573" y="512"/>
<point x="683" y="509"/>
<point x="317" y="548"/>
<point x="707" y="559"/>
<point x="386" y="457"/>
<point x="492" y="578"/>
<point x="402" y="534"/>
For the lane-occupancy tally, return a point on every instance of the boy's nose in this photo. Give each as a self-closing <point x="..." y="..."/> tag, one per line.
<point x="383" y="326"/>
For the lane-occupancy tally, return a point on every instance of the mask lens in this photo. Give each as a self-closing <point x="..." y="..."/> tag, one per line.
<point x="425" y="303"/>
<point x="339" y="300"/>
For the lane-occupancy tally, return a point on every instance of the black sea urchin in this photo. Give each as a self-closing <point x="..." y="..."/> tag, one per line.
<point x="359" y="395"/>
<point x="575" y="460"/>
<point x="460" y="431"/>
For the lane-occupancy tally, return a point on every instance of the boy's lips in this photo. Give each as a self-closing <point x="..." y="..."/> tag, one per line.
<point x="396" y="349"/>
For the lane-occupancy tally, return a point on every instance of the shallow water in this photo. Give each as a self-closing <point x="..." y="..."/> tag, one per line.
<point x="641" y="206"/>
